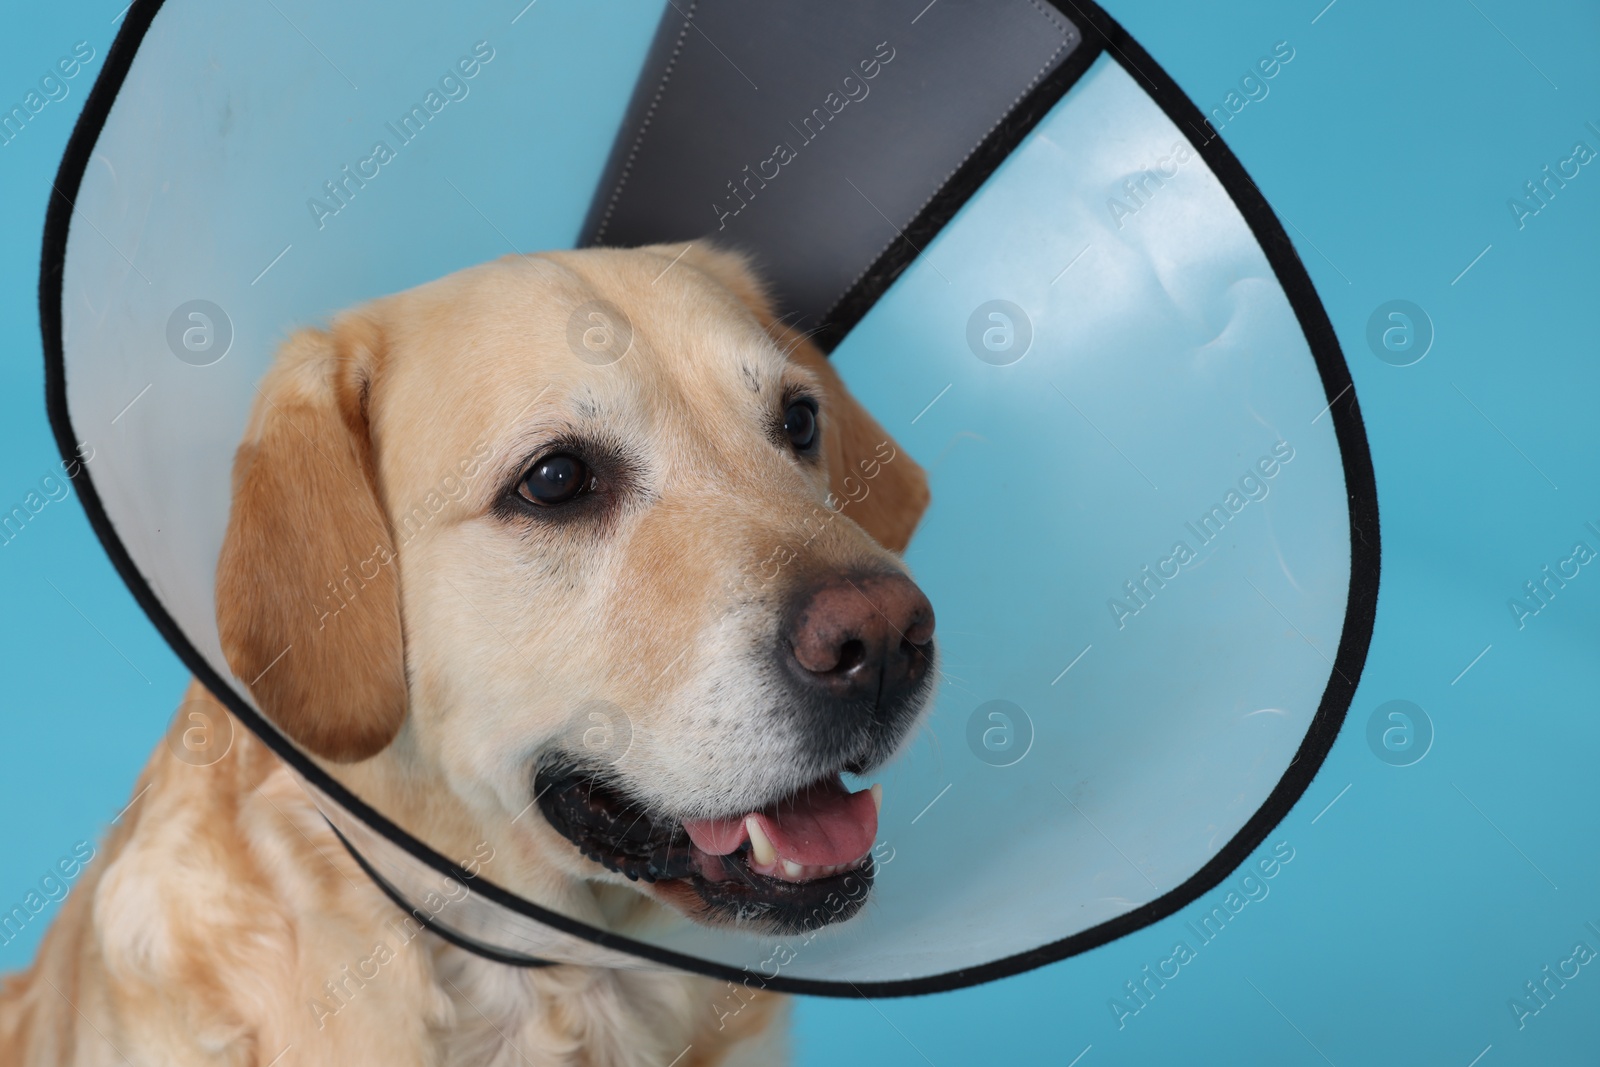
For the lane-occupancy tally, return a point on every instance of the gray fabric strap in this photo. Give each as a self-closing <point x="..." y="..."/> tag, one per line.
<point x="810" y="133"/>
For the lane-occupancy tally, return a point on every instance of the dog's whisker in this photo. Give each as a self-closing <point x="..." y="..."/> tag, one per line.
<point x="642" y="813"/>
<point x="800" y="338"/>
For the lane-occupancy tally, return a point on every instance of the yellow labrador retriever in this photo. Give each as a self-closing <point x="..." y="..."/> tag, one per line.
<point x="461" y="516"/>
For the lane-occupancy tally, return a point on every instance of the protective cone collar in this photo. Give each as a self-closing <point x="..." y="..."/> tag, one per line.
<point x="1153" y="542"/>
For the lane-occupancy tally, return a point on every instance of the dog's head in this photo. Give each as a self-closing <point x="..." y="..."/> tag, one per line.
<point x="590" y="531"/>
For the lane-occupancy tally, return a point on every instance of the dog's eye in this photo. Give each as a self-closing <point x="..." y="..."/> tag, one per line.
<point x="800" y="424"/>
<point x="555" y="479"/>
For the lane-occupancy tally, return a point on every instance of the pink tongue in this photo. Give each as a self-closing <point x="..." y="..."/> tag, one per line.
<point x="824" y="825"/>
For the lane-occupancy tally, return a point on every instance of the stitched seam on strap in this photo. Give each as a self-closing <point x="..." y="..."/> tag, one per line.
<point x="644" y="127"/>
<point x="1060" y="28"/>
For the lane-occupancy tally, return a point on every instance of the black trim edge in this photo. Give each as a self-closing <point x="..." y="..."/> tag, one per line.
<point x="428" y="922"/>
<point x="984" y="160"/>
<point x="1100" y="32"/>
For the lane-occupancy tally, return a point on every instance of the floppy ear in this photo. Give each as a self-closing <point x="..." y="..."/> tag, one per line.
<point x="862" y="457"/>
<point x="308" y="603"/>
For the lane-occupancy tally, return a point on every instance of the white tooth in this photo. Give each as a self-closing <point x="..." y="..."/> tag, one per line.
<point x="877" y="796"/>
<point x="792" y="869"/>
<point x="760" y="845"/>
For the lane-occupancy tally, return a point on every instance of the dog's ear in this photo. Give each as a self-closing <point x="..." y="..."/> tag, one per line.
<point x="885" y="490"/>
<point x="308" y="604"/>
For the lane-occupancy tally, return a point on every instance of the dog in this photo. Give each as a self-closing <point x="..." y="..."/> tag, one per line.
<point x="464" y="517"/>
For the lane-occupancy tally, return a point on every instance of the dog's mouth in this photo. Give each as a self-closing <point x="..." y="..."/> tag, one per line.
<point x="796" y="864"/>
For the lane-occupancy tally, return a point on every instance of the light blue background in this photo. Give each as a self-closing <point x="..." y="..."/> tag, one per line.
<point x="1410" y="913"/>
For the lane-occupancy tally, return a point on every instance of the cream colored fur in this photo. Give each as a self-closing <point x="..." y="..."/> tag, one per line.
<point x="222" y="920"/>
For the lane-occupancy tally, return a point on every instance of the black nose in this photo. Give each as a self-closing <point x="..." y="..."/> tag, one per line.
<point x="867" y="637"/>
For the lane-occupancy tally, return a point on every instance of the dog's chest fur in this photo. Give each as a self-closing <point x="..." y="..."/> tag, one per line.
<point x="223" y="923"/>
